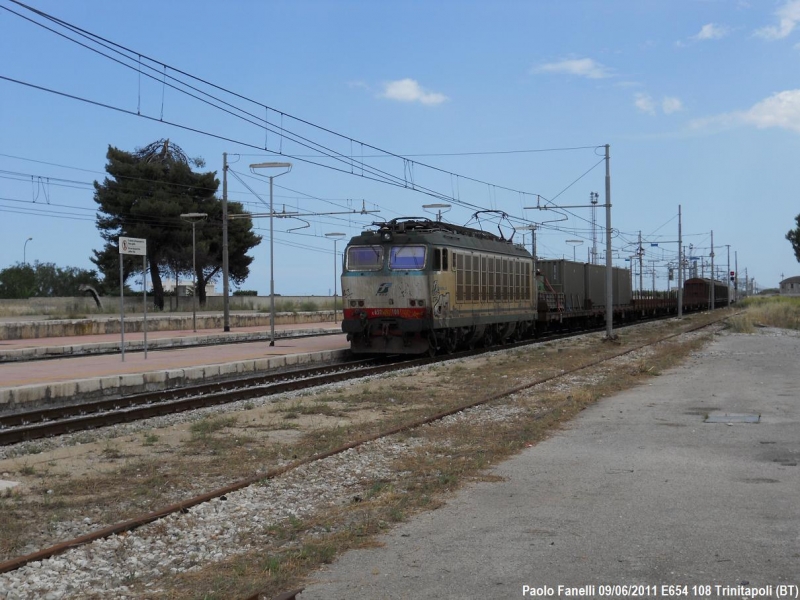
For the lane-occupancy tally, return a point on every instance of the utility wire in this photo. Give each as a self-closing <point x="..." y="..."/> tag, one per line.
<point x="368" y="171"/>
<point x="477" y="153"/>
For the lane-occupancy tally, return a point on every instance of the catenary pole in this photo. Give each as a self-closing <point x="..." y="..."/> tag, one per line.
<point x="640" y="251"/>
<point x="609" y="263"/>
<point x="728" y="273"/>
<point x="226" y="318"/>
<point x="711" y="279"/>
<point x="680" y="264"/>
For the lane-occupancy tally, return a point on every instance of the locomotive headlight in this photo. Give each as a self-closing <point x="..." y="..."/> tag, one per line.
<point x="387" y="236"/>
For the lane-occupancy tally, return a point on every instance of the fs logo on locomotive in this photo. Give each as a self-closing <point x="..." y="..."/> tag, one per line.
<point x="383" y="289"/>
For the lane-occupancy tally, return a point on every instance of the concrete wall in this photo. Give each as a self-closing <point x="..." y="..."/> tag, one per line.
<point x="28" y="329"/>
<point x="282" y="303"/>
<point x="85" y="305"/>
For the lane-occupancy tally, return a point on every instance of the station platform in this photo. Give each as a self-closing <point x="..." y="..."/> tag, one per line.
<point x="174" y="359"/>
<point x="24" y="349"/>
<point x="686" y="486"/>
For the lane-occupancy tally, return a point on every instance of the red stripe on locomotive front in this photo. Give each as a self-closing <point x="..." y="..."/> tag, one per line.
<point x="377" y="313"/>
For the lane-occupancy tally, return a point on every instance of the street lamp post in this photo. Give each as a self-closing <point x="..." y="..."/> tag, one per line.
<point x="24" y="250"/>
<point x="194" y="219"/>
<point x="272" y="165"/>
<point x="335" y="236"/>
<point x="574" y="244"/>
<point x="438" y="208"/>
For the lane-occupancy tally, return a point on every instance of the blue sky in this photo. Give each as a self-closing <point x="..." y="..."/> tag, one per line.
<point x="494" y="105"/>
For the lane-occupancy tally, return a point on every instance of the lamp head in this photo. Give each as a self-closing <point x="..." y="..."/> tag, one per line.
<point x="271" y="165"/>
<point x="194" y="217"/>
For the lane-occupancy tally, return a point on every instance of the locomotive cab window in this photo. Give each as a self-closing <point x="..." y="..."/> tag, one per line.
<point x="407" y="258"/>
<point x="364" y="258"/>
<point x="440" y="259"/>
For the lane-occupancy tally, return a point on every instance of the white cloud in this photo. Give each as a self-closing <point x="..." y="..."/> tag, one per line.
<point x="628" y="84"/>
<point x="408" y="90"/>
<point x="644" y="102"/>
<point x="788" y="17"/>
<point x="583" y="67"/>
<point x="779" y="110"/>
<point x="670" y="104"/>
<point x="711" y="31"/>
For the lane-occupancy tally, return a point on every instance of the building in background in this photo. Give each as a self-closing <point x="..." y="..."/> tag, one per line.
<point x="790" y="286"/>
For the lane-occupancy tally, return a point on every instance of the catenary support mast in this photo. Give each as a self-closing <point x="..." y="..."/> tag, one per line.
<point x="609" y="263"/>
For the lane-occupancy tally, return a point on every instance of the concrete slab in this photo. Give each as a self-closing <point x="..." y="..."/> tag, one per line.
<point x="636" y="490"/>
<point x="7" y="485"/>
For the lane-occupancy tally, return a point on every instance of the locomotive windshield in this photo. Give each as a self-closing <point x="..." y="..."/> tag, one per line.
<point x="364" y="258"/>
<point x="407" y="257"/>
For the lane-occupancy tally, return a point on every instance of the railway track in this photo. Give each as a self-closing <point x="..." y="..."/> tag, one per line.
<point x="221" y="493"/>
<point x="48" y="422"/>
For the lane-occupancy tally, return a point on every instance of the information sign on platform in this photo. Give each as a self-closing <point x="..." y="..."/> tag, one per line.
<point x="137" y="246"/>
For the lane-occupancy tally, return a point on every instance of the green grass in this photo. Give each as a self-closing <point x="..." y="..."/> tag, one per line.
<point x="209" y="425"/>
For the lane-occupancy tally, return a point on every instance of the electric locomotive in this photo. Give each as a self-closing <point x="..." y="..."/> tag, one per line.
<point x="415" y="286"/>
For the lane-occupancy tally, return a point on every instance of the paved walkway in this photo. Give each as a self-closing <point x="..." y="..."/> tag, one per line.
<point x="26" y="384"/>
<point x="637" y="490"/>
<point x="87" y="367"/>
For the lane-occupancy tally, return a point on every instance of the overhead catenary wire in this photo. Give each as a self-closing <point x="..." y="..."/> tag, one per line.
<point x="55" y="181"/>
<point x="367" y="170"/>
<point x="343" y="162"/>
<point x="50" y="180"/>
<point x="284" y="132"/>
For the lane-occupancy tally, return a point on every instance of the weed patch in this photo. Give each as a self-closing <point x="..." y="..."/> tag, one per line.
<point x="209" y="425"/>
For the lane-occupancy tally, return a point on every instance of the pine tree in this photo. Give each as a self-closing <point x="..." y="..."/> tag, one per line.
<point x="143" y="196"/>
<point x="794" y="237"/>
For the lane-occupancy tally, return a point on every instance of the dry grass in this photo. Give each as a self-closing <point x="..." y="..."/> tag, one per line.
<point x="774" y="311"/>
<point x="216" y="451"/>
<point x="741" y="324"/>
